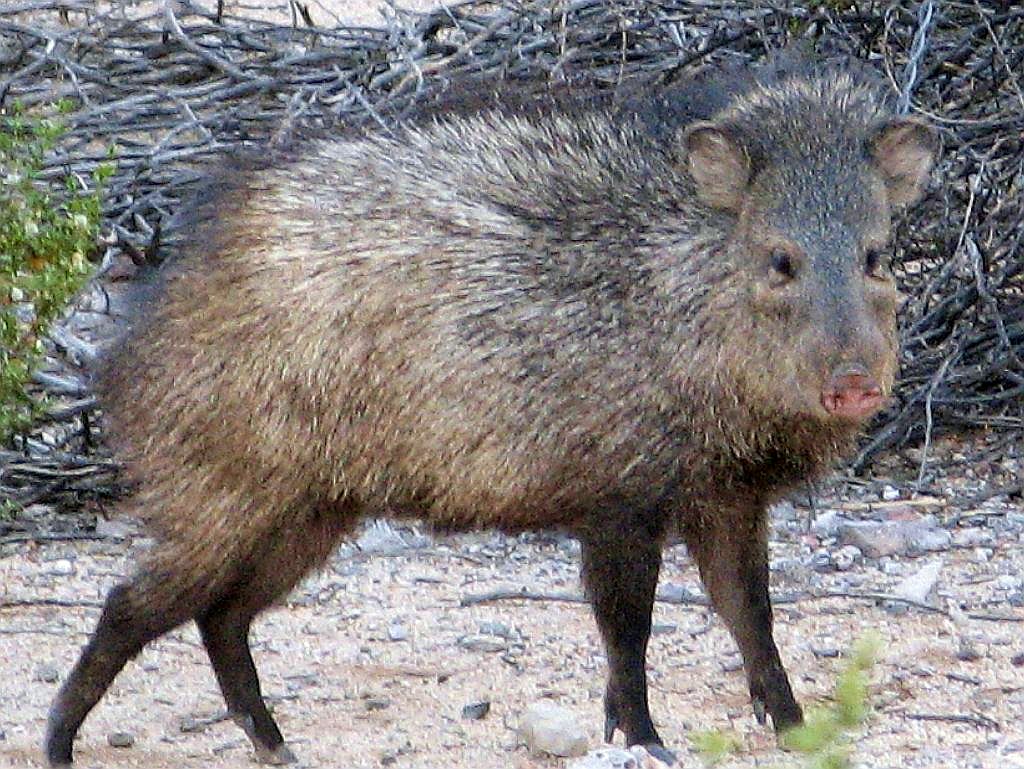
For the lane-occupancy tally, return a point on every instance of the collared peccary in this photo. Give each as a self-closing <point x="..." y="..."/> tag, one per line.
<point x="547" y="318"/>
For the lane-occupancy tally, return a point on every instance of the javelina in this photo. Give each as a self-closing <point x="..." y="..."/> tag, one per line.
<point x="551" y="319"/>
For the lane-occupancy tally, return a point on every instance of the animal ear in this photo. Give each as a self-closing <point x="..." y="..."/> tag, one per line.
<point x="718" y="164"/>
<point x="903" y="150"/>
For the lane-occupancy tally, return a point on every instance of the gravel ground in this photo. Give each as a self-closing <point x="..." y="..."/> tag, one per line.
<point x="371" y="662"/>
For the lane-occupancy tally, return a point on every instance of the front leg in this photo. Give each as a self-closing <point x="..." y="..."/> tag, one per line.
<point x="621" y="559"/>
<point x="731" y="549"/>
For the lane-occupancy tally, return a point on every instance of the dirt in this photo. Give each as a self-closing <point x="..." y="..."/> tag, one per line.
<point x="947" y="690"/>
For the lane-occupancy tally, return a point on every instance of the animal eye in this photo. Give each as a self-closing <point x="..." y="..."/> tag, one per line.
<point x="874" y="263"/>
<point x="782" y="263"/>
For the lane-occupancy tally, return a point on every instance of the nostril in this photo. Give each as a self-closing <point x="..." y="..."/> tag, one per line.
<point x="852" y="392"/>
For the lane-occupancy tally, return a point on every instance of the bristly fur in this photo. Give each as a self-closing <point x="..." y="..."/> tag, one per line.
<point x="542" y="313"/>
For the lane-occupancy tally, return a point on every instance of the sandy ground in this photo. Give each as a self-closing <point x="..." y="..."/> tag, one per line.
<point x="350" y="690"/>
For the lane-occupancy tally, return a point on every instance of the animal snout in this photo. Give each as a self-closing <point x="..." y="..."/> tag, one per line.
<point x="852" y="393"/>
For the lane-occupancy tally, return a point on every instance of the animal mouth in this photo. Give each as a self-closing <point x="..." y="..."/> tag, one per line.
<point x="852" y="394"/>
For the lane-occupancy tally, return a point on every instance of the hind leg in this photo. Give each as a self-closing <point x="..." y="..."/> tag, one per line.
<point x="270" y="573"/>
<point x="136" y="612"/>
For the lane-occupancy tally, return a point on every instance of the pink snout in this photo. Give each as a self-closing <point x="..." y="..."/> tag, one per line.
<point x="852" y="393"/>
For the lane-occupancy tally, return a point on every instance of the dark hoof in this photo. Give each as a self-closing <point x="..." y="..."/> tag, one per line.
<point x="58" y="742"/>
<point x="787" y="717"/>
<point x="279" y="756"/>
<point x="661" y="753"/>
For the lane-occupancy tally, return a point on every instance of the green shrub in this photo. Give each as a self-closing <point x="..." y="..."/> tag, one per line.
<point x="47" y="233"/>
<point x="823" y="740"/>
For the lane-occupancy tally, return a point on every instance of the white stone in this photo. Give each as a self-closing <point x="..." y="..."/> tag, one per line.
<point x="918" y="586"/>
<point x="547" y="727"/>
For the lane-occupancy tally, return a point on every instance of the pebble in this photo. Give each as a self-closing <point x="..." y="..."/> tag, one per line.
<point x="1008" y="582"/>
<point x="663" y="628"/>
<point x="120" y="739"/>
<point x="973" y="538"/>
<point x="377" y="703"/>
<point x="918" y="586"/>
<point x="61" y="568"/>
<point x="606" y="758"/>
<point x="732" y="664"/>
<point x="499" y="629"/>
<point x="397" y="632"/>
<point x="846" y="557"/>
<point x="547" y="727"/>
<point x="616" y="758"/>
<point x="890" y="493"/>
<point x="820" y="560"/>
<point x="47" y="673"/>
<point x="475" y="711"/>
<point x="876" y="539"/>
<point x="966" y="652"/>
<point x="483" y="643"/>
<point x="827" y="524"/>
<point x="114" y="529"/>
<point x="826" y="652"/>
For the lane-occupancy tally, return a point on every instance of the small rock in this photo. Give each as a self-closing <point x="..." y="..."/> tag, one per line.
<point x="821" y="560"/>
<point x="1014" y="521"/>
<point x="61" y="567"/>
<point x="846" y="557"/>
<point x="927" y="538"/>
<point x="973" y="537"/>
<point x="877" y="540"/>
<point x="607" y="758"/>
<point x="1016" y="599"/>
<point x="891" y="568"/>
<point x="114" y="529"/>
<point x="827" y="524"/>
<point x="47" y="673"/>
<point x="3" y="735"/>
<point x="663" y="628"/>
<point x="918" y="586"/>
<point x="377" y="703"/>
<point x="482" y="643"/>
<point x="546" y="727"/>
<point x="397" y="632"/>
<point x="191" y="724"/>
<point x="499" y="629"/>
<point x="1017" y="660"/>
<point x="732" y="664"/>
<point x="645" y="759"/>
<point x="966" y="652"/>
<point x="890" y="493"/>
<point x="120" y="739"/>
<point x="1008" y="582"/>
<point x="825" y="652"/>
<point x="476" y="711"/>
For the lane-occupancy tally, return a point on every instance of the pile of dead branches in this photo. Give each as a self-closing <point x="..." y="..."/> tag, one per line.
<point x="170" y="83"/>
